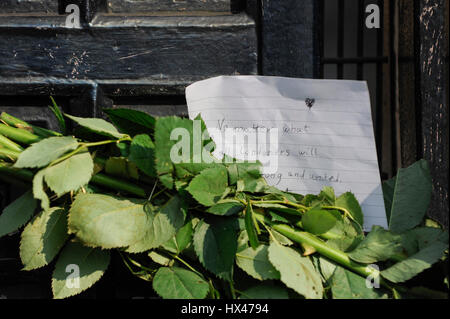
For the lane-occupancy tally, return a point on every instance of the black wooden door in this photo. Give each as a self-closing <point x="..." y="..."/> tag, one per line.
<point x="138" y="54"/>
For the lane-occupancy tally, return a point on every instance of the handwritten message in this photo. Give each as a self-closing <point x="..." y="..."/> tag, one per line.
<point x="325" y="132"/>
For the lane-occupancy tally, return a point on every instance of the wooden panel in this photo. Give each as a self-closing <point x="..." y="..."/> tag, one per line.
<point x="434" y="107"/>
<point x="117" y="6"/>
<point x="154" y="49"/>
<point x="30" y="6"/>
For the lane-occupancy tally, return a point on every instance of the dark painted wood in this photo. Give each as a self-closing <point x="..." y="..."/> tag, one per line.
<point x="164" y="49"/>
<point x="288" y="34"/>
<point x="434" y="134"/>
<point x="121" y="6"/>
<point x="28" y="6"/>
<point x="406" y="86"/>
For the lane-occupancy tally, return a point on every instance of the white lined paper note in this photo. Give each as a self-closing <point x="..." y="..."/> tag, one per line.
<point x="330" y="143"/>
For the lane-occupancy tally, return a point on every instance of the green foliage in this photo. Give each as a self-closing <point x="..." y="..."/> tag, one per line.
<point x="347" y="285"/>
<point x="297" y="272"/>
<point x="40" y="154"/>
<point x="142" y="153"/>
<point x="428" y="252"/>
<point x="131" y="122"/>
<point x="226" y="207"/>
<point x="17" y="214"/>
<point x="379" y="245"/>
<point x="121" y="167"/>
<point x="162" y="224"/>
<point x="70" y="174"/>
<point x="209" y="186"/>
<point x="90" y="262"/>
<point x="108" y="222"/>
<point x="39" y="191"/>
<point x="179" y="283"/>
<point x="318" y="221"/>
<point x="349" y="202"/>
<point x="163" y="145"/>
<point x="58" y="114"/>
<point x="199" y="227"/>
<point x="255" y="262"/>
<point x="98" y="126"/>
<point x="181" y="240"/>
<point x="215" y="245"/>
<point x="43" y="237"/>
<point x="407" y="196"/>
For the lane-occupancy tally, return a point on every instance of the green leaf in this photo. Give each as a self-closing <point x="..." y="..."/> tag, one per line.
<point x="142" y="153"/>
<point x="163" y="145"/>
<point x="249" y="174"/>
<point x="98" y="126"/>
<point x="58" y="114"/>
<point x="278" y="217"/>
<point x="162" y="224"/>
<point x="347" y="285"/>
<point x="327" y="195"/>
<point x="297" y="272"/>
<point x="281" y="239"/>
<point x="416" y="263"/>
<point x="265" y="291"/>
<point x="179" y="283"/>
<point x="187" y="171"/>
<point x="108" y="222"/>
<point x="70" y="174"/>
<point x="327" y="269"/>
<point x="255" y="262"/>
<point x="39" y="191"/>
<point x="43" y="237"/>
<point x="159" y="258"/>
<point x="78" y="263"/>
<point x="121" y="167"/>
<point x="209" y="186"/>
<point x="415" y="239"/>
<point x="379" y="245"/>
<point x="181" y="240"/>
<point x="410" y="196"/>
<point x="318" y="221"/>
<point x="351" y="204"/>
<point x="250" y="226"/>
<point x="124" y="149"/>
<point x="17" y="214"/>
<point x="215" y="245"/>
<point x="388" y="192"/>
<point x="131" y="122"/>
<point x="226" y="207"/>
<point x="44" y="152"/>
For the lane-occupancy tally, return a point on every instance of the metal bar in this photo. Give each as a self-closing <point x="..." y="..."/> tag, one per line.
<point x="360" y="40"/>
<point x="379" y="88"/>
<point x="319" y="25"/>
<point x="340" y="38"/>
<point x="393" y="85"/>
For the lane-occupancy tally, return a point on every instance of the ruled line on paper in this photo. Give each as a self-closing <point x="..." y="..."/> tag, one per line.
<point x="294" y="121"/>
<point x="289" y="109"/>
<point x="224" y="98"/>
<point x="340" y="130"/>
